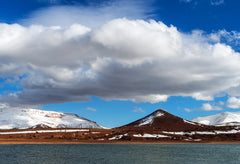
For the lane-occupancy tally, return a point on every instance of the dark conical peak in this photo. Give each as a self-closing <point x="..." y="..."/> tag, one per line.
<point x="162" y="120"/>
<point x="160" y="110"/>
<point x="151" y="118"/>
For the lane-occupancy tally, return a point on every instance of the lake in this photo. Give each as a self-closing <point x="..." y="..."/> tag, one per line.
<point x="120" y="153"/>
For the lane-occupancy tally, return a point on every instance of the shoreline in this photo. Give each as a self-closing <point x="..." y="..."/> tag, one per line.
<point x="107" y="136"/>
<point x="2" y="142"/>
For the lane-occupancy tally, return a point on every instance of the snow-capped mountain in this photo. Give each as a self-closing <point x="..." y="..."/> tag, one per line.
<point x="34" y="118"/>
<point x="224" y="119"/>
<point x="162" y="120"/>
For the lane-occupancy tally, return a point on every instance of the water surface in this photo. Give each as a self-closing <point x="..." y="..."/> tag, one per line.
<point x="120" y="153"/>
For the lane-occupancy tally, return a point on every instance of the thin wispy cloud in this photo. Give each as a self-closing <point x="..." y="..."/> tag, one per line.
<point x="217" y="2"/>
<point x="91" y="109"/>
<point x="50" y="1"/>
<point x="212" y="2"/>
<point x="90" y="15"/>
<point x="232" y="38"/>
<point x="187" y="1"/>
<point x="188" y="110"/>
<point x="139" y="109"/>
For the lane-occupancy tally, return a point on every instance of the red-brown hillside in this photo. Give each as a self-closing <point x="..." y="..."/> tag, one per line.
<point x="164" y="121"/>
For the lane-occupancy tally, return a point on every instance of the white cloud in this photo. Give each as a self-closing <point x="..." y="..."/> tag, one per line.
<point x="233" y="102"/>
<point x="91" y="109"/>
<point x="138" y="109"/>
<point x="209" y="107"/>
<point x="202" y="96"/>
<point x="3" y="106"/>
<point x="215" y="37"/>
<point x="206" y="107"/>
<point x="137" y="60"/>
<point x="153" y="98"/>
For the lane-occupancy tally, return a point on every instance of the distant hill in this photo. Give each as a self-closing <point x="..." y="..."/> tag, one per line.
<point x="33" y="118"/>
<point x="221" y="119"/>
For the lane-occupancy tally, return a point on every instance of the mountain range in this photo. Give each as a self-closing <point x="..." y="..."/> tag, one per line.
<point x="159" y="126"/>
<point x="160" y="119"/>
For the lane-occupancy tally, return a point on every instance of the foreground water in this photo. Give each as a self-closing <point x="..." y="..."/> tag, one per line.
<point x="120" y="153"/>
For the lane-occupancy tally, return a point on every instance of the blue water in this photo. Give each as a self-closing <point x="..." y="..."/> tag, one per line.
<point x="120" y="153"/>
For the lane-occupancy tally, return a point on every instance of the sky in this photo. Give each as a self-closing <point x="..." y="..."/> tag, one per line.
<point x="115" y="61"/>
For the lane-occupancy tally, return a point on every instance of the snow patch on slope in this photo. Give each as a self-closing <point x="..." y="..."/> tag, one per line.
<point x="149" y="119"/>
<point x="190" y="122"/>
<point x="215" y="132"/>
<point x="145" y="135"/>
<point x="117" y="137"/>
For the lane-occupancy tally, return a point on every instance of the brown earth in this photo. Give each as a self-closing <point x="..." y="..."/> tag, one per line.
<point x="164" y="125"/>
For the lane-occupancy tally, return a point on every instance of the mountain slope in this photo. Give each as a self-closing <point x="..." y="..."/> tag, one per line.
<point x="33" y="118"/>
<point x="163" y="126"/>
<point x="224" y="119"/>
<point x="162" y="120"/>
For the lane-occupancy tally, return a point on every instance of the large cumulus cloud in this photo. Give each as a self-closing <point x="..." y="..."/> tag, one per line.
<point x="137" y="60"/>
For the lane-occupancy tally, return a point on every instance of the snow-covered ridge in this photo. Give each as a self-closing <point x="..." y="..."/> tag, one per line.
<point x="11" y="118"/>
<point x="225" y="118"/>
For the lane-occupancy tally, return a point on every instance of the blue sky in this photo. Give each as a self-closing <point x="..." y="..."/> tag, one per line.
<point x="116" y="61"/>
